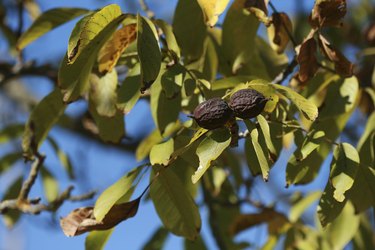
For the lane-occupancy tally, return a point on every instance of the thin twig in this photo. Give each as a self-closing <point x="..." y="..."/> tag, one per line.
<point x="280" y="78"/>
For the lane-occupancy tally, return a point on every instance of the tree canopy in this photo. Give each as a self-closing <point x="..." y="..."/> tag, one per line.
<point x="238" y="91"/>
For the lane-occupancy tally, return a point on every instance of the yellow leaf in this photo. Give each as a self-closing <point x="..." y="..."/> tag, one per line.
<point x="112" y="50"/>
<point x="212" y="9"/>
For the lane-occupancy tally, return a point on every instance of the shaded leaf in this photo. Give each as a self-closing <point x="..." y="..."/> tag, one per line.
<point x="96" y="240"/>
<point x="11" y="132"/>
<point x="184" y="25"/>
<point x="198" y="244"/>
<point x="48" y="21"/>
<point x="7" y="160"/>
<point x="41" y="120"/>
<point x="11" y="217"/>
<point x="344" y="167"/>
<point x="363" y="239"/>
<point x="328" y="13"/>
<point x="209" y="150"/>
<point x="342" y="65"/>
<point x="279" y="31"/>
<point x="82" y="220"/>
<point x="50" y="185"/>
<point x="129" y="91"/>
<point x="109" y="129"/>
<point x="63" y="157"/>
<point x="148" y="51"/>
<point x="212" y="9"/>
<point x="308" y="63"/>
<point x="157" y="239"/>
<point x="175" y="207"/>
<point x="329" y="208"/>
<point x="103" y="93"/>
<point x="114" y="193"/>
<point x="110" y="53"/>
<point x="169" y="37"/>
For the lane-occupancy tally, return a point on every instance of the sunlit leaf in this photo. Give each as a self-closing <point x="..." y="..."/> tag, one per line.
<point x="96" y="240"/>
<point x="114" y="193"/>
<point x="161" y="153"/>
<point x="209" y="150"/>
<point x="148" y="51"/>
<point x="212" y="9"/>
<point x="41" y="120"/>
<point x="171" y="200"/>
<point x="265" y="130"/>
<point x="50" y="185"/>
<point x="344" y="167"/>
<point x="279" y="31"/>
<point x="48" y="21"/>
<point x="299" y="207"/>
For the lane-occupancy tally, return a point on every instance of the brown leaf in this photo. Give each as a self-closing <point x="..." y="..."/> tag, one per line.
<point x="113" y="48"/>
<point x="279" y="31"/>
<point x="328" y="13"/>
<point x="308" y="64"/>
<point x="242" y="222"/>
<point x="82" y="220"/>
<point x="342" y="65"/>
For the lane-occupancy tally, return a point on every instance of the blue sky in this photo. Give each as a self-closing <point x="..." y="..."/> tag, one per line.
<point x="102" y="166"/>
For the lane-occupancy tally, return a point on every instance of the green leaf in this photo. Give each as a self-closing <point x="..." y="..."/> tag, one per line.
<point x="41" y="120"/>
<point x="239" y="33"/>
<point x="340" y="232"/>
<point x="157" y="239"/>
<point x="362" y="193"/>
<point x="63" y="157"/>
<point x="344" y="167"/>
<point x="265" y="130"/>
<point x="91" y="27"/>
<point x="12" y="216"/>
<point x="96" y="240"/>
<point x="11" y="132"/>
<point x="110" y="129"/>
<point x="184" y="25"/>
<point x="259" y="148"/>
<point x="73" y="77"/>
<point x="366" y="143"/>
<point x="129" y="92"/>
<point x="209" y="150"/>
<point x="103" y="93"/>
<point x="6" y="161"/>
<point x="114" y="193"/>
<point x="148" y="51"/>
<point x="175" y="207"/>
<point x="50" y="185"/>
<point x="48" y="21"/>
<point x="164" y="110"/>
<point x="363" y="239"/>
<point x="299" y="207"/>
<point x="329" y="208"/>
<point x="154" y="138"/>
<point x="212" y="9"/>
<point x="161" y="153"/>
<point x="169" y="37"/>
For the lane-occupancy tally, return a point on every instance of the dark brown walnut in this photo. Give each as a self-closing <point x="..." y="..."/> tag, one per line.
<point x="247" y="103"/>
<point x="212" y="114"/>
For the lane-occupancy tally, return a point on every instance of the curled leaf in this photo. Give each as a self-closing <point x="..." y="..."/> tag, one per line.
<point x="279" y="31"/>
<point x="342" y="65"/>
<point x="328" y="13"/>
<point x="82" y="220"/>
<point x="308" y="63"/>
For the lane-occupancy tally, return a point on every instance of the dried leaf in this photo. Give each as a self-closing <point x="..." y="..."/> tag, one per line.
<point x="328" y="13"/>
<point x="342" y="65"/>
<point x="279" y="31"/>
<point x="82" y="220"/>
<point x="113" y="48"/>
<point x="307" y="60"/>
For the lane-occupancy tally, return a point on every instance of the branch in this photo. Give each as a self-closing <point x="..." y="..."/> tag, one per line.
<point x="286" y="72"/>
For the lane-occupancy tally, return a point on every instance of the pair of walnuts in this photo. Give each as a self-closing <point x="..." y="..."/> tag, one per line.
<point x="216" y="112"/>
